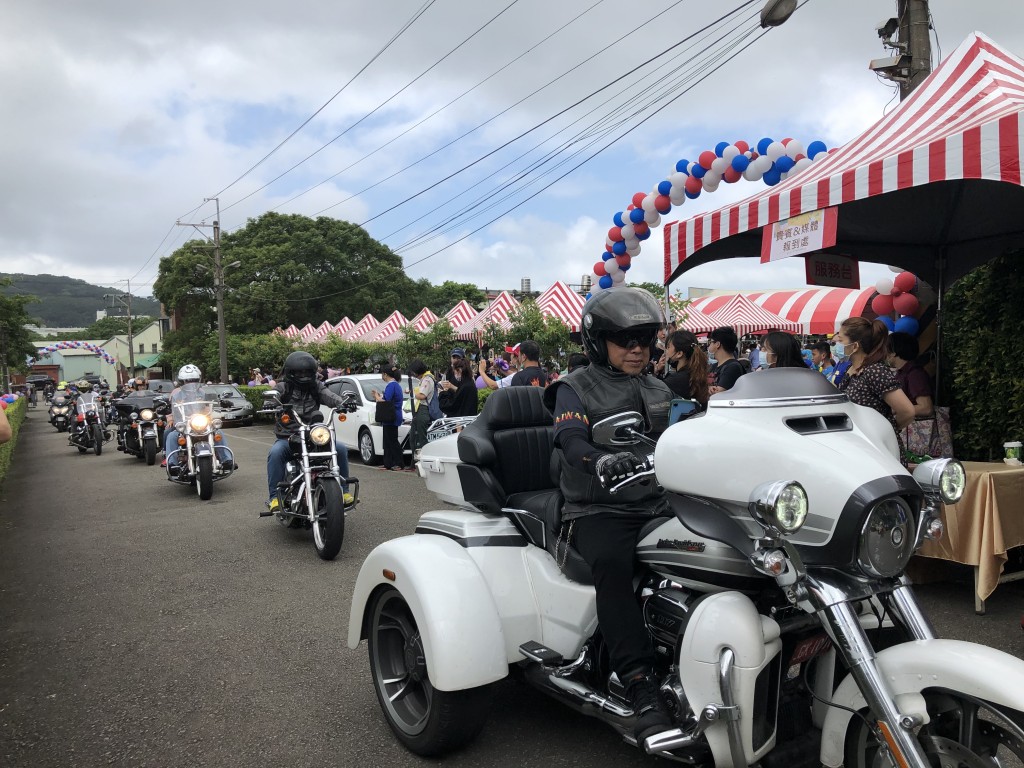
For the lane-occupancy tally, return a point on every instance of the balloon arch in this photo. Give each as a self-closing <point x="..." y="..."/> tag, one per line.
<point x="61" y="345"/>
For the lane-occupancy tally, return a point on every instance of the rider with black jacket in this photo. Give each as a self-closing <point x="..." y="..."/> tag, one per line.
<point x="299" y="388"/>
<point x="619" y="329"/>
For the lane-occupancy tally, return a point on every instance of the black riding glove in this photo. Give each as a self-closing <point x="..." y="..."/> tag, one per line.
<point x="614" y="467"/>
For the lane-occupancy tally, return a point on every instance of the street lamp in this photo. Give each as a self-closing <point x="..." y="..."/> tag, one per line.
<point x="776" y="12"/>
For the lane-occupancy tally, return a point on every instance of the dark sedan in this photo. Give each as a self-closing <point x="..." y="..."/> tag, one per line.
<point x="239" y="412"/>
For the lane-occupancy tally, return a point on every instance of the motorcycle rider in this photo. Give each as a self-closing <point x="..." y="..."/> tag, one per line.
<point x="189" y="390"/>
<point x="300" y="388"/>
<point x="619" y="329"/>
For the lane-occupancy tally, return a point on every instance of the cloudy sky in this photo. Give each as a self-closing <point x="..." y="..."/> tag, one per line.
<point x="457" y="144"/>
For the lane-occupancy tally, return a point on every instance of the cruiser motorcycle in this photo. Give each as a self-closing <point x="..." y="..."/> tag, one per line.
<point x="200" y="459"/>
<point x="311" y="495"/>
<point x="61" y="410"/>
<point x="140" y="430"/>
<point x="785" y="630"/>
<point x="89" y="431"/>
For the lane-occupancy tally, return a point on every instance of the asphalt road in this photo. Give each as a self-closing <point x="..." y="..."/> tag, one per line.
<point x="140" y="626"/>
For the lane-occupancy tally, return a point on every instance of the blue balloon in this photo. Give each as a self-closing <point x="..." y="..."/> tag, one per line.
<point x="625" y="267"/>
<point x="720" y="147"/>
<point x="693" y="195"/>
<point x="682" y="166"/>
<point x="619" y="221"/>
<point x="816" y="147"/>
<point x="644" y="236"/>
<point x="607" y="255"/>
<point x="664" y="187"/>
<point x="636" y="215"/>
<point x="762" y="145"/>
<point x="619" y="248"/>
<point x="888" y="322"/>
<point x="605" y="281"/>
<point x="785" y="163"/>
<point x="740" y="163"/>
<point x="772" y="176"/>
<point x="907" y="324"/>
<point x="589" y="295"/>
<point x="699" y="171"/>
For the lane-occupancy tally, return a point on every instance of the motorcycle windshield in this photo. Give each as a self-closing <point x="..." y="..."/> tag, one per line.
<point x="88" y="402"/>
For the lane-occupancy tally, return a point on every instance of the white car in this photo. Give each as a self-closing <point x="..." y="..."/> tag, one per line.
<point x="359" y="431"/>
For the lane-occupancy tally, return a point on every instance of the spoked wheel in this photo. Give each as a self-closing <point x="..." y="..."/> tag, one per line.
<point x="329" y="526"/>
<point x="204" y="469"/>
<point x="964" y="732"/>
<point x="97" y="439"/>
<point x="427" y="721"/>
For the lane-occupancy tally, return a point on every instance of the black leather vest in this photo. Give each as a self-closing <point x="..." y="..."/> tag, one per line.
<point x="605" y="393"/>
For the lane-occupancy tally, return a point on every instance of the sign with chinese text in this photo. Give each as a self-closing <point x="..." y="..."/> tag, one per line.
<point x="832" y="270"/>
<point x="806" y="233"/>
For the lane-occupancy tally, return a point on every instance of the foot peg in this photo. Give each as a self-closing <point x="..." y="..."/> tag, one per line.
<point x="266" y="513"/>
<point x="534" y="651"/>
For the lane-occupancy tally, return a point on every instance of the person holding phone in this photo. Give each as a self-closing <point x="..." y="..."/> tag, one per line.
<point x="457" y="387"/>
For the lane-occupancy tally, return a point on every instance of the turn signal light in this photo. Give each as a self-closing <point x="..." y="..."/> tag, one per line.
<point x="388" y="574"/>
<point x="285" y="418"/>
<point x="216" y="437"/>
<point x="181" y="441"/>
<point x="341" y="417"/>
<point x="80" y="418"/>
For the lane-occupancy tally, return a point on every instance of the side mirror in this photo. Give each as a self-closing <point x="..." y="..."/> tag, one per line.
<point x="621" y="429"/>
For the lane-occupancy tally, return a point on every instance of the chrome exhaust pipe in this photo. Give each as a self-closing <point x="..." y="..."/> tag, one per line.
<point x="580" y="697"/>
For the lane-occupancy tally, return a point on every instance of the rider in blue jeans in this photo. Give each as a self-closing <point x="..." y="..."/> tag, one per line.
<point x="299" y="388"/>
<point x="189" y="389"/>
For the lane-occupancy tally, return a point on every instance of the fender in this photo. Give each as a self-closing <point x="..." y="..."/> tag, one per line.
<point x="912" y="667"/>
<point x="148" y="433"/>
<point x="458" y="621"/>
<point x="201" y="449"/>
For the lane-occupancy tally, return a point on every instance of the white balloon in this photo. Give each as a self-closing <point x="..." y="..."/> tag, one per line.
<point x="648" y="204"/>
<point x="690" y="167"/>
<point x="749" y="154"/>
<point x="652" y="219"/>
<point x="677" y="199"/>
<point x="730" y="152"/>
<point x="800" y="164"/>
<point x="718" y="165"/>
<point x="611" y="267"/>
<point x="752" y="174"/>
<point x="884" y="286"/>
<point x="619" y="277"/>
<point x="763" y="164"/>
<point x="795" y="148"/>
<point x="775" y="150"/>
<point x="677" y="179"/>
<point x="632" y="242"/>
<point x="710" y="185"/>
<point x="628" y="231"/>
<point x="676" y="192"/>
<point x="633" y="251"/>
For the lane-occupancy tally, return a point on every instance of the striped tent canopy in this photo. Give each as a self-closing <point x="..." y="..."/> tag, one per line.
<point x="496" y="312"/>
<point x="817" y="310"/>
<point x="344" y="326"/>
<point x="322" y="331"/>
<point x="424" y="320"/>
<point x="460" y="314"/>
<point x="933" y="187"/>
<point x="289" y="333"/>
<point x="562" y="302"/>
<point x="306" y="332"/>
<point x="695" y="321"/>
<point x="390" y="329"/>
<point x="362" y="328"/>
<point x="747" y="317"/>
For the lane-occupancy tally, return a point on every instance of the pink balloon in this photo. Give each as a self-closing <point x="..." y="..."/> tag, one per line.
<point x="905" y="281"/>
<point x="882" y="304"/>
<point x="906" y="303"/>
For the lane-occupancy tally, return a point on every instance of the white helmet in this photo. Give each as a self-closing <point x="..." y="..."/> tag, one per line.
<point x="189" y="372"/>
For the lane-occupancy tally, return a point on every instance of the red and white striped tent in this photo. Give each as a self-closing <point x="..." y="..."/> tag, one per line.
<point x="391" y="327"/>
<point x="306" y="332"/>
<point x="363" y="327"/>
<point x="344" y="326"/>
<point x="323" y="331"/>
<point x="562" y="302"/>
<point x="460" y="314"/>
<point x="695" y="321"/>
<point x="289" y="333"/>
<point x="424" y="320"/>
<point x="817" y="310"/>
<point x="496" y="312"/>
<point x="933" y="187"/>
<point x="747" y="317"/>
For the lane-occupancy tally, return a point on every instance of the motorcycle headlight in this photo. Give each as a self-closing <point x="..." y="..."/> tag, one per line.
<point x="943" y="477"/>
<point x="320" y="435"/>
<point x="887" y="539"/>
<point x="146" y="414"/>
<point x="62" y="409"/>
<point x="218" y="423"/>
<point x="781" y="505"/>
<point x="199" y="422"/>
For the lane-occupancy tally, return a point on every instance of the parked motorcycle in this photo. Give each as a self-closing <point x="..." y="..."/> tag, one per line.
<point x="784" y="627"/>
<point x="141" y="423"/>
<point x="89" y="431"/>
<point x="61" y="410"/>
<point x="200" y="459"/>
<point x="311" y="494"/>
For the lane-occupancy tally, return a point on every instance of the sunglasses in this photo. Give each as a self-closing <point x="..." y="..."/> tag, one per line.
<point x="629" y="339"/>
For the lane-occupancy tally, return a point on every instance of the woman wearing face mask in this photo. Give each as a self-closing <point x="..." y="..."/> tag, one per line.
<point x="690" y="378"/>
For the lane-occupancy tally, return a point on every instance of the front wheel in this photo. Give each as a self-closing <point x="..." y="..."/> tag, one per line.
<point x="367" y="451"/>
<point x="97" y="439"/>
<point x="963" y="732"/>
<point x="329" y="525"/>
<point x="204" y="470"/>
<point x="427" y="721"/>
<point x="150" y="450"/>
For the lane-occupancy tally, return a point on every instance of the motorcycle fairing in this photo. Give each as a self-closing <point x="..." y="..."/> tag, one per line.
<point x="470" y="530"/>
<point x="913" y="667"/>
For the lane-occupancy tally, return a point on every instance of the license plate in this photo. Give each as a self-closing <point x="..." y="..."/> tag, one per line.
<point x="807" y="649"/>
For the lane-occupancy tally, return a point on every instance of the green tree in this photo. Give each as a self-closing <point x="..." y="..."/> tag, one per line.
<point x="18" y="341"/>
<point x="550" y="333"/>
<point x="441" y="298"/>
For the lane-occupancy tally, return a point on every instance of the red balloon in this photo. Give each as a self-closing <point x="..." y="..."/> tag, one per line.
<point x="599" y="269"/>
<point x="607" y="247"/>
<point x="895" y="292"/>
<point x="742" y="146"/>
<point x="642" y="228"/>
<point x="624" y="260"/>
<point x="615" y="234"/>
<point x="905" y="281"/>
<point x="693" y="185"/>
<point x="882" y="305"/>
<point x="707" y="157"/>
<point x="731" y="175"/>
<point x="638" y="199"/>
<point x="906" y="303"/>
<point x="3" y="404"/>
<point x="662" y="204"/>
<point x="786" y="141"/>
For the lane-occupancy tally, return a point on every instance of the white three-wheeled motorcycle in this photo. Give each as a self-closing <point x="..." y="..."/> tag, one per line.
<point x="785" y="629"/>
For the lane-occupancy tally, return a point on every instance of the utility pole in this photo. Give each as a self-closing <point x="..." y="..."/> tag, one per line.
<point x="125" y="300"/>
<point x="912" y="48"/>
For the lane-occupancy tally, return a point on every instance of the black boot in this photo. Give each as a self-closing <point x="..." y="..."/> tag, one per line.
<point x="652" y="716"/>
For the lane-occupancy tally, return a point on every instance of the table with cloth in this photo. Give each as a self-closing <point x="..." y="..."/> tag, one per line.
<point x="986" y="523"/>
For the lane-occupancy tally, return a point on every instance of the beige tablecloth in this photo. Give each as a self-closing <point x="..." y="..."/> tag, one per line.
<point x="988" y="521"/>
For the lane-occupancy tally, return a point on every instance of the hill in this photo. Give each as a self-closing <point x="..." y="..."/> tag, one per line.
<point x="69" y="303"/>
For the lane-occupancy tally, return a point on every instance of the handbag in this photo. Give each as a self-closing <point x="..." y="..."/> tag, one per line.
<point x="931" y="436"/>
<point x="384" y="412"/>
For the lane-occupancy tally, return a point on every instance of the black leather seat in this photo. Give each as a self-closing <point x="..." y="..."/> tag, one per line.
<point x="507" y="454"/>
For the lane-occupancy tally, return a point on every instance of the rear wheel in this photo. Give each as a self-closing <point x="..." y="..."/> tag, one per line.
<point x="367" y="451"/>
<point x="97" y="439"/>
<point x="149" y="448"/>
<point x="427" y="721"/>
<point x="329" y="526"/>
<point x="963" y="732"/>
<point x="204" y="472"/>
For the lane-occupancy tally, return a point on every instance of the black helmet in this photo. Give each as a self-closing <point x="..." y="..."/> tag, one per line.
<point x="618" y="309"/>
<point x="300" y="368"/>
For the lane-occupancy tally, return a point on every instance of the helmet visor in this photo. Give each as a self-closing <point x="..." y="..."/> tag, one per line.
<point x="632" y="337"/>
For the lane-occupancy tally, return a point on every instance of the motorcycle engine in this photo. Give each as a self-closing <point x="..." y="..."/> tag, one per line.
<point x="666" y="612"/>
